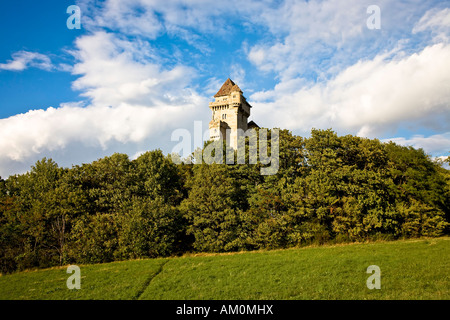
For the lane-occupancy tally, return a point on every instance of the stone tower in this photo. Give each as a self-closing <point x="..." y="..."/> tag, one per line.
<point x="230" y="110"/>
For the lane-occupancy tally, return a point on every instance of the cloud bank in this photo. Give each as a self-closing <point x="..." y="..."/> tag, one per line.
<point x="370" y="97"/>
<point x="329" y="71"/>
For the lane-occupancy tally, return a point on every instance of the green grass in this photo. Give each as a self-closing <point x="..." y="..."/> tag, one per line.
<point x="411" y="269"/>
<point x="116" y="280"/>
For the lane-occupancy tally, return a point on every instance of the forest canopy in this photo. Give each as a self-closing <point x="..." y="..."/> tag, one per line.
<point x="328" y="188"/>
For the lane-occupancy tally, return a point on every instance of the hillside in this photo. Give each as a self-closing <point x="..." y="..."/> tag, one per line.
<point x="410" y="269"/>
<point x="327" y="189"/>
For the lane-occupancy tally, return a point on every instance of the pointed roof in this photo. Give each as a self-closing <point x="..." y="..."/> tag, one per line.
<point x="228" y="87"/>
<point x="252" y="124"/>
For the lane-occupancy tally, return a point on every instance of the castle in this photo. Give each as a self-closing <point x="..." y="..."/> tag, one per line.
<point x="230" y="111"/>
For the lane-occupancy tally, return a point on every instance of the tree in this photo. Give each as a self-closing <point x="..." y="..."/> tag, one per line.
<point x="157" y="177"/>
<point x="94" y="239"/>
<point x="2" y="187"/>
<point x="108" y="182"/>
<point x="326" y="188"/>
<point x="46" y="202"/>
<point x="212" y="208"/>
<point x="149" y="229"/>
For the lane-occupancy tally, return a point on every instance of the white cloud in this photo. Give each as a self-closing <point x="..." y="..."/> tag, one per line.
<point x="318" y="39"/>
<point x="237" y="74"/>
<point x="150" y="18"/>
<point x="114" y="70"/>
<point x="309" y="30"/>
<point x="130" y="17"/>
<point x="212" y="86"/>
<point x="370" y="98"/>
<point x="134" y="101"/>
<point x="138" y="94"/>
<point x="434" y="19"/>
<point x="39" y="132"/>
<point x="21" y="60"/>
<point x="434" y="144"/>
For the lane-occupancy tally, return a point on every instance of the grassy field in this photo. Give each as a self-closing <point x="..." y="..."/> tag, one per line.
<point x="410" y="269"/>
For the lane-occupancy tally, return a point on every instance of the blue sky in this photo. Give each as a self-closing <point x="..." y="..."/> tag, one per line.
<point x="138" y="70"/>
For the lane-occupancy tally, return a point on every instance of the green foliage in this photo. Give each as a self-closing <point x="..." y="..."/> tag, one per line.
<point x="2" y="188"/>
<point x="328" y="188"/>
<point x="94" y="239"/>
<point x="157" y="177"/>
<point x="211" y="208"/>
<point x="149" y="229"/>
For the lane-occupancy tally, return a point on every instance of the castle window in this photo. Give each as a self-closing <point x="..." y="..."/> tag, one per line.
<point x="224" y="116"/>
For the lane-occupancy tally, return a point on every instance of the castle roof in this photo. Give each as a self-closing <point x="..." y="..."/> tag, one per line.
<point x="228" y="87"/>
<point x="252" y="124"/>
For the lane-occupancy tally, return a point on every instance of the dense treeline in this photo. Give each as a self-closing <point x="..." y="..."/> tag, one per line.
<point x="327" y="189"/>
